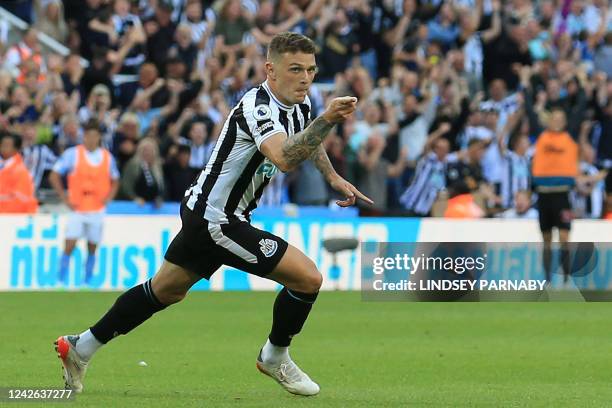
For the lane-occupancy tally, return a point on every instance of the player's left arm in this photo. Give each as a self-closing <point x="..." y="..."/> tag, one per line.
<point x="322" y="163"/>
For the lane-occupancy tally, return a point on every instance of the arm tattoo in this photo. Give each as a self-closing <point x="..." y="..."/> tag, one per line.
<point x="302" y="145"/>
<point x="321" y="161"/>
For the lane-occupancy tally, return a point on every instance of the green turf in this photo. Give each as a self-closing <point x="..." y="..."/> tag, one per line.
<point x="201" y="353"/>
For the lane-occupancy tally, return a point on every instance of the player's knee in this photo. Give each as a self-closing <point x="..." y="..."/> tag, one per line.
<point x="170" y="296"/>
<point x="312" y="283"/>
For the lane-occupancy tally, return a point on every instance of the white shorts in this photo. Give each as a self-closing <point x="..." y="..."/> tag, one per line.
<point x="85" y="225"/>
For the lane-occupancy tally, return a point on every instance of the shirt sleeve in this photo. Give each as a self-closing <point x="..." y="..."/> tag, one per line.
<point x="114" y="171"/>
<point x="452" y="158"/>
<point x="49" y="158"/>
<point x="66" y="162"/>
<point x="263" y="121"/>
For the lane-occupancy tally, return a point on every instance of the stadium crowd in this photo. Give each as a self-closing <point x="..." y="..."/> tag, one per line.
<point x="452" y="94"/>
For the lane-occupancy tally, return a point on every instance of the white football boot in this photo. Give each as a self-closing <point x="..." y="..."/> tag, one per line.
<point x="74" y="366"/>
<point x="289" y="376"/>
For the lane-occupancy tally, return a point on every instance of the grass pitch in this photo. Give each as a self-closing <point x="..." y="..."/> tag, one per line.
<point x="201" y="353"/>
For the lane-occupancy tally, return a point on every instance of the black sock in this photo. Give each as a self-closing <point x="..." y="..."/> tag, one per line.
<point x="130" y="310"/>
<point x="565" y="262"/>
<point x="547" y="261"/>
<point x="291" y="310"/>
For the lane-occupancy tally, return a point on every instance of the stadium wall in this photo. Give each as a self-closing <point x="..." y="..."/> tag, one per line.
<point x="133" y="247"/>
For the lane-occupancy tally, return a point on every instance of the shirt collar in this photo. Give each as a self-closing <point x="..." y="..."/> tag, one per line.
<point x="279" y="103"/>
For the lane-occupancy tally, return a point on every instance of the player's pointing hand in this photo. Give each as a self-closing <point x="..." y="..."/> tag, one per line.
<point x="340" y="109"/>
<point x="349" y="191"/>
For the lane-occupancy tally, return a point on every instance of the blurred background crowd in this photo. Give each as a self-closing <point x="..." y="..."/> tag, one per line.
<point x="452" y="94"/>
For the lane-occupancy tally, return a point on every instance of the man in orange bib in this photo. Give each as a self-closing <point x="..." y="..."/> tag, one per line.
<point x="16" y="184"/>
<point x="554" y="169"/>
<point x="92" y="177"/>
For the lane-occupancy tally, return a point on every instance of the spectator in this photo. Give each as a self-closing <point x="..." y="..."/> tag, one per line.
<point x="373" y="174"/>
<point x="443" y="27"/>
<point x="464" y="176"/>
<point x="80" y="15"/>
<point x="70" y="133"/>
<point x="603" y="56"/>
<point x="142" y="180"/>
<point x="98" y="71"/>
<point x="72" y="75"/>
<point x="51" y="21"/>
<point x="428" y="180"/>
<point x="372" y="122"/>
<point x="308" y="187"/>
<point x="414" y="123"/>
<point x="600" y="130"/>
<point x="22" y="107"/>
<point x="521" y="207"/>
<point x="588" y="196"/>
<point x="130" y="54"/>
<point x="197" y="141"/>
<point x="515" y="161"/>
<point x="201" y="26"/>
<point x="16" y="185"/>
<point x="38" y="158"/>
<point x="125" y="140"/>
<point x="184" y="48"/>
<point x="233" y="29"/>
<point x="98" y="107"/>
<point x="101" y="30"/>
<point x="505" y="53"/>
<point x="339" y="45"/>
<point x="267" y="22"/>
<point x="159" y="31"/>
<point x="178" y="175"/>
<point x="237" y="84"/>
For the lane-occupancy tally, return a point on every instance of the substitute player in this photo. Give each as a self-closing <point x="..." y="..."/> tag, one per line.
<point x="268" y="130"/>
<point x="92" y="182"/>
<point x="554" y="169"/>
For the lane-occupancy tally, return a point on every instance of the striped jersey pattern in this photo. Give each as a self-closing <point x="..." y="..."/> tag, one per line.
<point x="429" y="179"/>
<point x="234" y="178"/>
<point x="38" y="158"/>
<point x="515" y="177"/>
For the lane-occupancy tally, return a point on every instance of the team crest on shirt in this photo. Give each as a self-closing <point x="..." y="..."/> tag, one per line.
<point x="262" y="112"/>
<point x="268" y="247"/>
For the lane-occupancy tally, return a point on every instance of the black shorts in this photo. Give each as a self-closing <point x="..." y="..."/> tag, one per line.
<point x="202" y="246"/>
<point x="554" y="210"/>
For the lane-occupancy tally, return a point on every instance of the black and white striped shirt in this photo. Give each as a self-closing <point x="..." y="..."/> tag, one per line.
<point x="232" y="182"/>
<point x="589" y="205"/>
<point x="429" y="179"/>
<point x="514" y="177"/>
<point x="38" y="159"/>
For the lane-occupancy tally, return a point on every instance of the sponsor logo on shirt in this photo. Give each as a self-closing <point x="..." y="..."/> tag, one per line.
<point x="263" y="128"/>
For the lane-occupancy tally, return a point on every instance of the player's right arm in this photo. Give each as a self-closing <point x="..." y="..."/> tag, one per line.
<point x="288" y="152"/>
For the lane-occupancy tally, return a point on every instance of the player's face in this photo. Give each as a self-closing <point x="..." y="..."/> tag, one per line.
<point x="91" y="139"/>
<point x="7" y="148"/>
<point x="293" y="75"/>
<point x="556" y="121"/>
